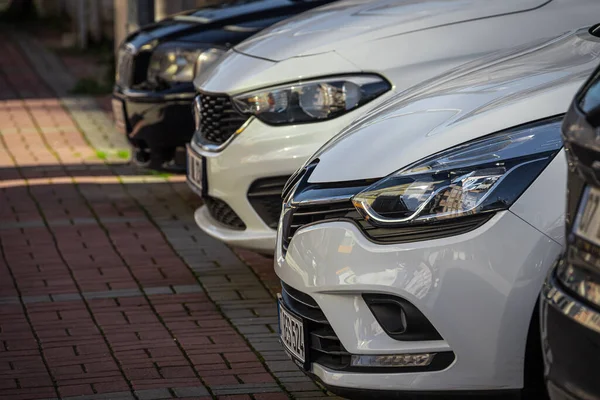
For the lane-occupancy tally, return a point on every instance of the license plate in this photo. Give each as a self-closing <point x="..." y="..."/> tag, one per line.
<point x="118" y="109"/>
<point x="587" y="224"/>
<point x="291" y="331"/>
<point x="195" y="168"/>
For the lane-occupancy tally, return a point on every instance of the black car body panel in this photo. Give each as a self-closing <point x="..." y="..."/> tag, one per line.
<point x="158" y="119"/>
<point x="572" y="352"/>
<point x="571" y="295"/>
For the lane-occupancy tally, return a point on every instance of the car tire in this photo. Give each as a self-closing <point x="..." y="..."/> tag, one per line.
<point x="141" y="157"/>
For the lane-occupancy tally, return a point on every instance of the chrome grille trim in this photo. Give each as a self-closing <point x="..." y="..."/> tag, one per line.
<point x="218" y="121"/>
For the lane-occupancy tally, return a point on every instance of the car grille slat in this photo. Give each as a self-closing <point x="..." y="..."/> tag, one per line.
<point x="327" y="335"/>
<point x="325" y="348"/>
<point x="219" y="120"/>
<point x="300" y="214"/>
<point x="312" y="314"/>
<point x="304" y="215"/>
<point x="300" y="297"/>
<point x="272" y="192"/>
<point x="311" y="214"/>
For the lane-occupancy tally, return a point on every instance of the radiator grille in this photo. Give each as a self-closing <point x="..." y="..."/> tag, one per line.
<point x="218" y="120"/>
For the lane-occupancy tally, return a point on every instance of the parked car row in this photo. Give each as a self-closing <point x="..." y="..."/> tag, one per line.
<point x="157" y="64"/>
<point x="404" y="163"/>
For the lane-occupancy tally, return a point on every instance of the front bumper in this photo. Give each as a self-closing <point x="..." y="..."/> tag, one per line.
<point x="157" y="120"/>
<point x="571" y="341"/>
<point x="478" y="290"/>
<point x="260" y="152"/>
<point x="260" y="240"/>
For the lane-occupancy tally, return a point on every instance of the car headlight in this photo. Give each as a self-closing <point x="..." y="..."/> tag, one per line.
<point x="311" y="101"/>
<point x="207" y="58"/>
<point x="482" y="176"/>
<point x="179" y="62"/>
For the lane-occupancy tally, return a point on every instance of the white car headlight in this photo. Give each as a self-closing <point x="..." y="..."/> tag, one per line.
<point x="485" y="175"/>
<point x="179" y="62"/>
<point x="311" y="101"/>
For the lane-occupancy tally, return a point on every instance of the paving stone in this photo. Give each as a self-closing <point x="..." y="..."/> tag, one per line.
<point x="153" y="394"/>
<point x="10" y="300"/>
<point x="103" y="396"/>
<point x="187" y="289"/>
<point x="111" y="294"/>
<point x="245" y="388"/>
<point x="158" y="290"/>
<point x="66" y="297"/>
<point x="191" y="391"/>
<point x="36" y="299"/>
<point x="278" y="366"/>
<point x="316" y="394"/>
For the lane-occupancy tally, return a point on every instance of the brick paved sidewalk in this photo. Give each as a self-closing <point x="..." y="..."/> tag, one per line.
<point x="107" y="288"/>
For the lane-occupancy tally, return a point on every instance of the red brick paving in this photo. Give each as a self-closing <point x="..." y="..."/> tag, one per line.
<point x="57" y="239"/>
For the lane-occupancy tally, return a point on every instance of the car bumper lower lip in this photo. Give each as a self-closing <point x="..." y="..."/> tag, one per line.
<point x="478" y="291"/>
<point x="378" y="394"/>
<point x="571" y="341"/>
<point x="262" y="241"/>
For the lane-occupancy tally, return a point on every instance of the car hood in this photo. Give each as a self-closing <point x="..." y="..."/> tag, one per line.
<point x="238" y="19"/>
<point x="479" y="98"/>
<point x="351" y="22"/>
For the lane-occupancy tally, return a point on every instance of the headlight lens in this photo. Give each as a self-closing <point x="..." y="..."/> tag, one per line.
<point x="178" y="62"/>
<point x="482" y="176"/>
<point x="207" y="58"/>
<point x="311" y="101"/>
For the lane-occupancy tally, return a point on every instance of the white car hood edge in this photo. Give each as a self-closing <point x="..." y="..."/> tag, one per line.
<point x="346" y="23"/>
<point x="480" y="98"/>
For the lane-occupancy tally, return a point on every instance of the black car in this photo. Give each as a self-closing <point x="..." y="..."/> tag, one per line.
<point x="571" y="295"/>
<point x="153" y="92"/>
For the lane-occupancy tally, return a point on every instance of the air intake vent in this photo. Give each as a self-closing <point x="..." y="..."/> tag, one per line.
<point x="325" y="347"/>
<point x="221" y="212"/>
<point x="265" y="197"/>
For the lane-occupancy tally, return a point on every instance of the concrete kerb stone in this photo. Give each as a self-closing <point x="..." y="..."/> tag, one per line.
<point x="246" y="388"/>
<point x="153" y="394"/>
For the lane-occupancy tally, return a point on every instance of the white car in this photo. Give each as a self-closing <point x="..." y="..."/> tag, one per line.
<point x="412" y="248"/>
<point x="280" y="95"/>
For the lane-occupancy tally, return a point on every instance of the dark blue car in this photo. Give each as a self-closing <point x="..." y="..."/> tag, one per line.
<point x="156" y="65"/>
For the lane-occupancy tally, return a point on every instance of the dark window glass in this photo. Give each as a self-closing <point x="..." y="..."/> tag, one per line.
<point x="590" y="98"/>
